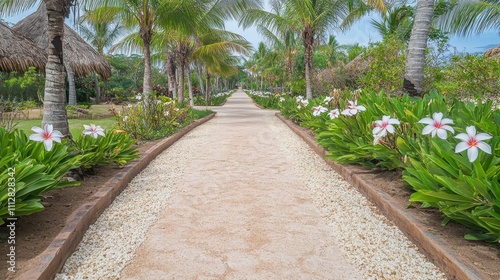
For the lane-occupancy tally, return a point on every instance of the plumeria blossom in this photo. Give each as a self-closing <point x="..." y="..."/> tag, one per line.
<point x="93" y="130"/>
<point x="471" y="142"/>
<point x="437" y="126"/>
<point x="328" y="99"/>
<point x="334" y="114"/>
<point x="318" y="110"/>
<point x="353" y="108"/>
<point x="381" y="127"/>
<point x="46" y="135"/>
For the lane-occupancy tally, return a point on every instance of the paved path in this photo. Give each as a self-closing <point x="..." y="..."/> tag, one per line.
<point x="242" y="212"/>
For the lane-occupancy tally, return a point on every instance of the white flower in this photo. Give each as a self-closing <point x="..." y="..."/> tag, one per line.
<point x="93" y="130"/>
<point x="299" y="107"/>
<point x="125" y="118"/>
<point x="334" y="114"/>
<point x="299" y="98"/>
<point x="305" y="102"/>
<point x="46" y="135"/>
<point x="437" y="126"/>
<point x="167" y="113"/>
<point x="382" y="127"/>
<point x="471" y="142"/>
<point x="282" y="99"/>
<point x="318" y="110"/>
<point x="328" y="99"/>
<point x="129" y="105"/>
<point x="138" y="97"/>
<point x="176" y="109"/>
<point x="353" y="108"/>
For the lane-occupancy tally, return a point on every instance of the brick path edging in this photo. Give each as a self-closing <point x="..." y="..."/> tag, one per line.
<point x="435" y="247"/>
<point x="53" y="258"/>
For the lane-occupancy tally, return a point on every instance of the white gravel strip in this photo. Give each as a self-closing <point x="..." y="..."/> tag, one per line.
<point x="110" y="243"/>
<point x="369" y="239"/>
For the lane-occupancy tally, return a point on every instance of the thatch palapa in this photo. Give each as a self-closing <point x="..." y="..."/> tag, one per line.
<point x="18" y="53"/>
<point x="493" y="52"/>
<point x="80" y="55"/>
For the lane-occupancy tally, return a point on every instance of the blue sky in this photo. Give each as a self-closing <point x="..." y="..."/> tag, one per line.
<point x="361" y="33"/>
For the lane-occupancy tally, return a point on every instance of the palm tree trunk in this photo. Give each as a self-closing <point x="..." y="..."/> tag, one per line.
<point x="146" y="86"/>
<point x="308" y="37"/>
<point x="415" y="59"/>
<point x="190" y="86"/>
<point x="170" y="70"/>
<point x="199" y="72"/>
<point x="97" y="89"/>
<point x="207" y="93"/>
<point x="71" y="84"/>
<point x="54" y="102"/>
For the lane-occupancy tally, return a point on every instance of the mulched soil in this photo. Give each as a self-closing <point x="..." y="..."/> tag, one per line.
<point x="35" y="232"/>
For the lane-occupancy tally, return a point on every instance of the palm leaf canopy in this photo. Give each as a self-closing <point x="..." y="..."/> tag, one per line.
<point x="82" y="57"/>
<point x="18" y="53"/>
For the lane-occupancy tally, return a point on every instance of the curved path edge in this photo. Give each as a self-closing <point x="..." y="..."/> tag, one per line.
<point x="435" y="247"/>
<point x="64" y="244"/>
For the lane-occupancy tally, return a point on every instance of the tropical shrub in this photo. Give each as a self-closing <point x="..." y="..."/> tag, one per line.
<point x="266" y="99"/>
<point x="154" y="118"/>
<point x="27" y="170"/>
<point x="213" y="100"/>
<point x="97" y="147"/>
<point x="458" y="175"/>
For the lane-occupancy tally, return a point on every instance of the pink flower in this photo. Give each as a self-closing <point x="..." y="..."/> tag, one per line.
<point x="353" y="108"/>
<point x="334" y="114"/>
<point x="437" y="126"/>
<point x="93" y="130"/>
<point x="318" y="110"/>
<point x="381" y="127"/>
<point x="46" y="135"/>
<point x="471" y="142"/>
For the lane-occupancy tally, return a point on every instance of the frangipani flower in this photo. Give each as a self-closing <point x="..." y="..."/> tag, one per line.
<point x="334" y="114"/>
<point x="353" y="108"/>
<point x="471" y="142"/>
<point x="93" y="130"/>
<point x="318" y="110"/>
<point x="437" y="125"/>
<point x="46" y="135"/>
<point x="382" y="127"/>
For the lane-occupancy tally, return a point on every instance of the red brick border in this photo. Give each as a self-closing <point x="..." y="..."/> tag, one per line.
<point x="53" y="258"/>
<point x="434" y="246"/>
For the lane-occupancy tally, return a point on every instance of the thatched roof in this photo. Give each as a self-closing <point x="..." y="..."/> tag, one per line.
<point x="493" y="52"/>
<point x="81" y="56"/>
<point x="18" y="53"/>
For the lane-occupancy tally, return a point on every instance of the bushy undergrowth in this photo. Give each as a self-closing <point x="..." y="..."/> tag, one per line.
<point x="213" y="100"/>
<point x="267" y="100"/>
<point x="448" y="150"/>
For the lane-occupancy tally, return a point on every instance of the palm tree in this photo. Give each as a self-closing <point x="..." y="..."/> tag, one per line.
<point x="398" y="21"/>
<point x="144" y="17"/>
<point x="54" y="101"/>
<point x="310" y="19"/>
<point x="469" y="17"/>
<point x="101" y="35"/>
<point x="415" y="59"/>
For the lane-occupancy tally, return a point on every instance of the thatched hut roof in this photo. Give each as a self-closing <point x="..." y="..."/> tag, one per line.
<point x="493" y="52"/>
<point x="81" y="56"/>
<point x="18" y="53"/>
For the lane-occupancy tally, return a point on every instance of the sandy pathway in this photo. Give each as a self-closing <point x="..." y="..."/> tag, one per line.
<point x="240" y="211"/>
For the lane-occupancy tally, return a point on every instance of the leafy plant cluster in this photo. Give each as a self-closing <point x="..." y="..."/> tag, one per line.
<point x="213" y="100"/>
<point x="442" y="175"/>
<point x="266" y="99"/>
<point x="152" y="117"/>
<point x="28" y="169"/>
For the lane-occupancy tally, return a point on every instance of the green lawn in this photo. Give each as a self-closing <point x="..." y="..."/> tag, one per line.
<point x="75" y="125"/>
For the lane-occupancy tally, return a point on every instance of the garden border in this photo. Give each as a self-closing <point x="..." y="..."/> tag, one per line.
<point x="52" y="259"/>
<point x="435" y="247"/>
